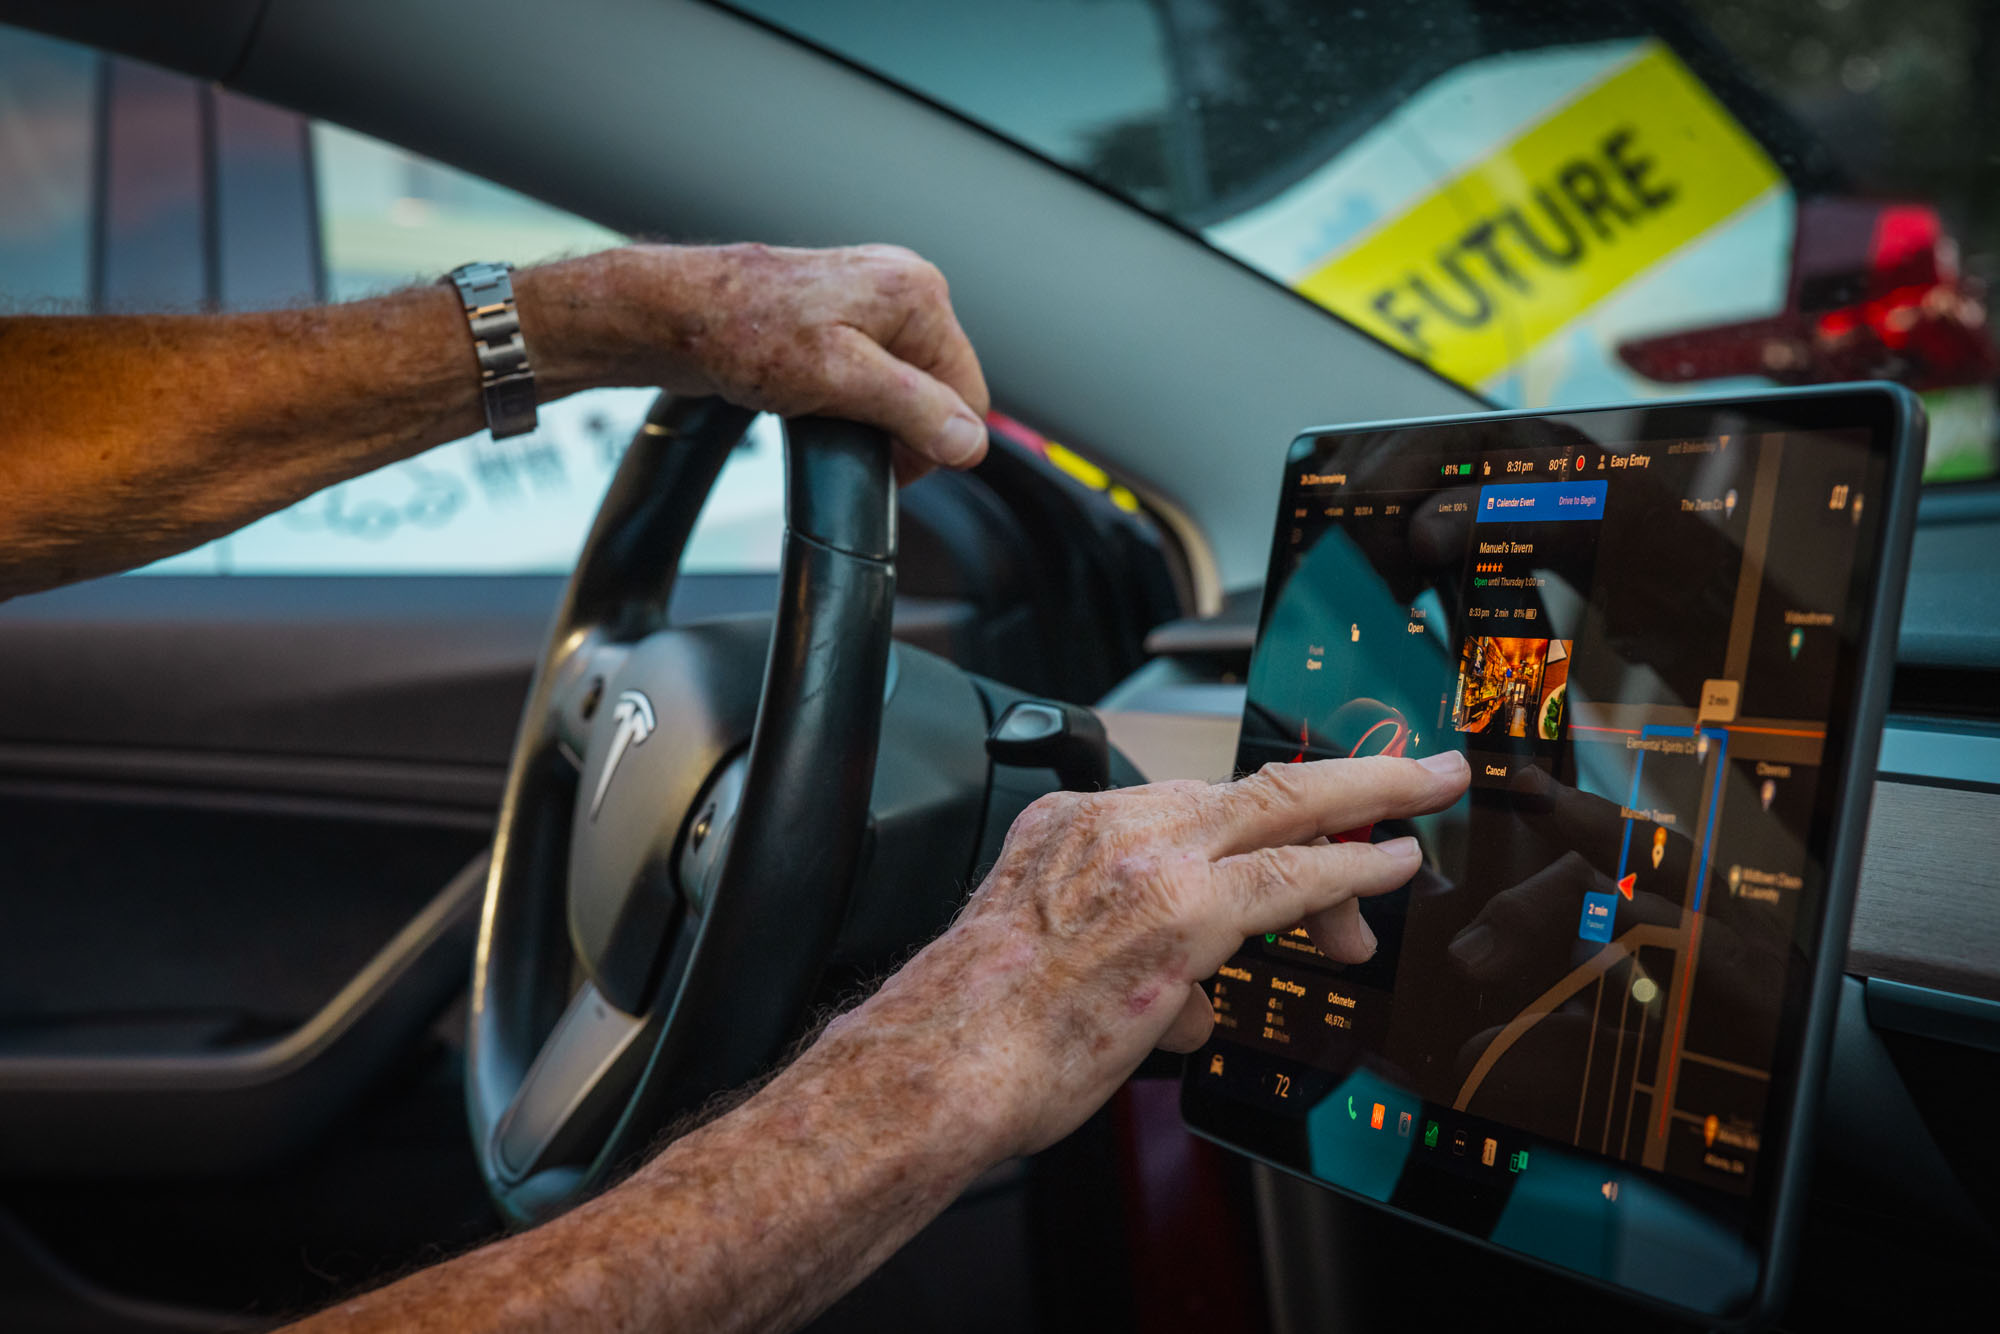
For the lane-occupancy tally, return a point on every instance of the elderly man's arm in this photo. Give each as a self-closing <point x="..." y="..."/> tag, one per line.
<point x="1080" y="953"/>
<point x="128" y="438"/>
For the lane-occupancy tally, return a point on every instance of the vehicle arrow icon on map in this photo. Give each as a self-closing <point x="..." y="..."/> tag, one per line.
<point x="1627" y="882"/>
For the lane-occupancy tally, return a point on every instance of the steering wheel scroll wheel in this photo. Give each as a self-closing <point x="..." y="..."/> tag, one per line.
<point x="684" y="814"/>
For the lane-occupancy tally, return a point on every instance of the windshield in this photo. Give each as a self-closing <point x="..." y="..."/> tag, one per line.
<point x="1551" y="202"/>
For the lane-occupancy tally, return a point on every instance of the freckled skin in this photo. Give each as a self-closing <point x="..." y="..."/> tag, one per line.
<point x="128" y="438"/>
<point x="125" y="438"/>
<point x="1079" y="953"/>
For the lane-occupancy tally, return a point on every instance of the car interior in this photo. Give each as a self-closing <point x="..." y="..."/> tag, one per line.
<point x="256" y="796"/>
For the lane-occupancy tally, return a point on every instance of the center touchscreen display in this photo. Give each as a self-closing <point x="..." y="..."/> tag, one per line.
<point x="1580" y="1028"/>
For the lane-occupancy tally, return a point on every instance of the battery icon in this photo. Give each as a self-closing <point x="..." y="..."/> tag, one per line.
<point x="1465" y="470"/>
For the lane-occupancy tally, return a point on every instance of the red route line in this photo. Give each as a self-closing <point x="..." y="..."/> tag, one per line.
<point x="1680" y="1022"/>
<point x="1778" y="731"/>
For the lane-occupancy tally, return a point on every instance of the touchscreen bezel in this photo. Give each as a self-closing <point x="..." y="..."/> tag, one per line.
<point x="1771" y="1213"/>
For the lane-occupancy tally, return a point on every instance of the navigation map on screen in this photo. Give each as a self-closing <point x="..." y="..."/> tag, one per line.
<point x="1636" y="642"/>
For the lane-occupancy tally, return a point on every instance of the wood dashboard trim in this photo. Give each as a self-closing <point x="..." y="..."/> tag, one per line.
<point x="1929" y="908"/>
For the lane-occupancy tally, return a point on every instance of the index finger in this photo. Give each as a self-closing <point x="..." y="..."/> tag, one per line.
<point x="919" y="327"/>
<point x="942" y="349"/>
<point x="1296" y="803"/>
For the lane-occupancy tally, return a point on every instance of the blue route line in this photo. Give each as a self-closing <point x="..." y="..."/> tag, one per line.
<point x="1721" y="738"/>
<point x="1714" y="800"/>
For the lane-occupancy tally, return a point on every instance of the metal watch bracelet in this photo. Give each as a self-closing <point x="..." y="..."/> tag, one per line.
<point x="506" y="381"/>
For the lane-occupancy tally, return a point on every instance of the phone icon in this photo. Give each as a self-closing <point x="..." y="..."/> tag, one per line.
<point x="1352" y="1115"/>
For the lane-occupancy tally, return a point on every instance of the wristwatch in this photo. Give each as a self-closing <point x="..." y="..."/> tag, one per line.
<point x="506" y="381"/>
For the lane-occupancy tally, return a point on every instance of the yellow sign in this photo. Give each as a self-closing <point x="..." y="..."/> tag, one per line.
<point x="1498" y="258"/>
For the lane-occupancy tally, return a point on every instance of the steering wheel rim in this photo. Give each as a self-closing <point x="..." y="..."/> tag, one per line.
<point x="700" y="939"/>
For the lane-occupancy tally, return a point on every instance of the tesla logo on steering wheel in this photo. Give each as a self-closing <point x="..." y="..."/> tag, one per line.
<point x="634" y="720"/>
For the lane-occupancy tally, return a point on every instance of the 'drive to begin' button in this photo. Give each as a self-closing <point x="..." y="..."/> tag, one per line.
<point x="1541" y="502"/>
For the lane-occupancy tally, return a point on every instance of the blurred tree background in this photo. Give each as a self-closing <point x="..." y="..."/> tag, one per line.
<point x="1896" y="99"/>
<point x="1903" y="94"/>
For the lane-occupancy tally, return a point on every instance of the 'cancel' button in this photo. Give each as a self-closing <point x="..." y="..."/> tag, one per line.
<point x="1502" y="770"/>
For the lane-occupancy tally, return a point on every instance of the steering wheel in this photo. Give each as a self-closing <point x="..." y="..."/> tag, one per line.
<point x="662" y="899"/>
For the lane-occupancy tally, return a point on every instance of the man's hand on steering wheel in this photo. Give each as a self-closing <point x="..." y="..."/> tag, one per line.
<point x="115" y="447"/>
<point x="863" y="334"/>
<point x="1081" y="951"/>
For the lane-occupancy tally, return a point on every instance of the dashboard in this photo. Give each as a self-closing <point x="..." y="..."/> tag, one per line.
<point x="1906" y="1185"/>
